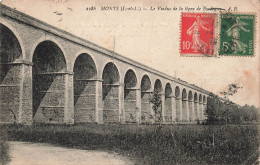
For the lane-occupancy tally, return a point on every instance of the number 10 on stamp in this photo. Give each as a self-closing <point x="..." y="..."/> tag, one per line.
<point x="197" y="34"/>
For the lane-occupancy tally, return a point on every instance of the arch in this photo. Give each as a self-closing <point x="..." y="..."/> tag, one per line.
<point x="110" y="74"/>
<point x="49" y="72"/>
<point x="196" y="109"/>
<point x="184" y="105"/>
<point x="204" y="107"/>
<point x="110" y="93"/>
<point x="145" y="99"/>
<point x="84" y="67"/>
<point x="204" y="99"/>
<point x="200" y="98"/>
<point x="168" y="90"/>
<point x="84" y="85"/>
<point x="16" y="34"/>
<point x="145" y="83"/>
<point x="190" y="96"/>
<point x="90" y="56"/>
<point x="130" y="79"/>
<point x="10" y="52"/>
<point x="178" y="103"/>
<point x="184" y="94"/>
<point x="158" y="89"/>
<point x="195" y="96"/>
<point x="130" y="99"/>
<point x="177" y="91"/>
<point x="158" y="86"/>
<point x="43" y="39"/>
<point x="200" y="109"/>
<point x="48" y="57"/>
<point x="168" y="103"/>
<point x="190" y="106"/>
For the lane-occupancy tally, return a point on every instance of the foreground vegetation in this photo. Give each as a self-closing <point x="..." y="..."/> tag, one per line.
<point x="4" y="148"/>
<point x="151" y="144"/>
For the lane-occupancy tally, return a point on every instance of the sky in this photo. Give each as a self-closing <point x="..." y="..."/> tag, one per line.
<point x="152" y="37"/>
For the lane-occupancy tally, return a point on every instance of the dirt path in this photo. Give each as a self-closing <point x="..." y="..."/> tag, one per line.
<point x="24" y="153"/>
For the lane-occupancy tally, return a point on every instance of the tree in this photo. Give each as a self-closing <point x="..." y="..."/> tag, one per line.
<point x="232" y="89"/>
<point x="213" y="110"/>
<point x="217" y="111"/>
<point x="156" y="103"/>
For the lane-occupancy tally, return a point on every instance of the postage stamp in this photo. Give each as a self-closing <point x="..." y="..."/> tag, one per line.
<point x="237" y="32"/>
<point x="198" y="34"/>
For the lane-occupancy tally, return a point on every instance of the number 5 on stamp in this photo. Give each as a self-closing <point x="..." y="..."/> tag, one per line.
<point x="237" y="32"/>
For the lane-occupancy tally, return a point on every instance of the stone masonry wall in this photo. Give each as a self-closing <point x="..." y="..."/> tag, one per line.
<point x="168" y="109"/>
<point x="10" y="93"/>
<point x="84" y="101"/>
<point x="50" y="98"/>
<point x="111" y="104"/>
<point x="130" y="106"/>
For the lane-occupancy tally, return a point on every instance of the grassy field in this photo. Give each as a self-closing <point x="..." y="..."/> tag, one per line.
<point x="150" y="144"/>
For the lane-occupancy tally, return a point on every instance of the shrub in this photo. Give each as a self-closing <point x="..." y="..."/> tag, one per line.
<point x="151" y="144"/>
<point x="4" y="148"/>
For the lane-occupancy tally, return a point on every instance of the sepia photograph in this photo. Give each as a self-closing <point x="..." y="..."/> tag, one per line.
<point x="128" y="82"/>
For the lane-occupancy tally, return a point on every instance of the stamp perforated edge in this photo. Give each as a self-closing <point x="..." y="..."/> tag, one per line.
<point x="215" y="54"/>
<point x="255" y="33"/>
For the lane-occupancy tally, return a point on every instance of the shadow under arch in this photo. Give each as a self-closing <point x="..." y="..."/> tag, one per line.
<point x="196" y="105"/>
<point x="130" y="96"/>
<point x="84" y="83"/>
<point x="190" y="100"/>
<point x="200" y="109"/>
<point x="145" y="99"/>
<point x="49" y="70"/>
<point x="158" y="89"/>
<point x="184" y="105"/>
<point x="178" y="103"/>
<point x="10" y="77"/>
<point x="168" y="103"/>
<point x="110" y="93"/>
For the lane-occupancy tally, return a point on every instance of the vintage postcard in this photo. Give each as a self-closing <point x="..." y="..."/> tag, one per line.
<point x="122" y="82"/>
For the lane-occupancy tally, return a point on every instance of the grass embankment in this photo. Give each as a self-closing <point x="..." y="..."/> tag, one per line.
<point x="147" y="144"/>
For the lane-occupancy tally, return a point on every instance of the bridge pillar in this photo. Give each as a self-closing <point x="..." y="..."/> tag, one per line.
<point x="132" y="105"/>
<point x="204" y="110"/>
<point x="163" y="107"/>
<point x="121" y="104"/>
<point x="187" y="110"/>
<point x="185" y="113"/>
<point x="99" y="102"/>
<point x="193" y="111"/>
<point x="173" y="109"/>
<point x="54" y="104"/>
<point x="69" y="99"/>
<point x="190" y="105"/>
<point x="196" y="110"/>
<point x="15" y="92"/>
<point x="146" y="107"/>
<point x="178" y="109"/>
<point x="200" y="111"/>
<point x="169" y="108"/>
<point x="138" y="105"/>
<point x="25" y="99"/>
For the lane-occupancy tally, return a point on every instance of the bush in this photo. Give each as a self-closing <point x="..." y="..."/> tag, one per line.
<point x="151" y="144"/>
<point x="4" y="148"/>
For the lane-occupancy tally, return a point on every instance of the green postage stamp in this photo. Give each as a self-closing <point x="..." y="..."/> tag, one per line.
<point x="237" y="34"/>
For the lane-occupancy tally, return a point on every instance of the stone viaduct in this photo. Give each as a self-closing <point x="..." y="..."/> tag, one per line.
<point x="51" y="76"/>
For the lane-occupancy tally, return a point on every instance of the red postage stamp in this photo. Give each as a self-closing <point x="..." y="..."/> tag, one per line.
<point x="197" y="34"/>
